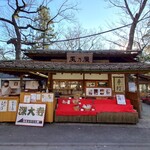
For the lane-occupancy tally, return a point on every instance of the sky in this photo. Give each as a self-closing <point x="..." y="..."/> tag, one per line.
<point x="95" y="13"/>
<point x="92" y="14"/>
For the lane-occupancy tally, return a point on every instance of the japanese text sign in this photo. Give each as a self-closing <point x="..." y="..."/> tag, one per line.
<point x="31" y="114"/>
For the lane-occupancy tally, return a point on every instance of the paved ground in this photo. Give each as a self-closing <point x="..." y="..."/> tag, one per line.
<point x="78" y="136"/>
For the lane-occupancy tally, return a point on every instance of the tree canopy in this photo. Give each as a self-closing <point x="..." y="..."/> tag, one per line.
<point x="19" y="23"/>
<point x="135" y="12"/>
<point x="43" y="39"/>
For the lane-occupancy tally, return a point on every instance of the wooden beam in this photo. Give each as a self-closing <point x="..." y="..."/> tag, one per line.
<point x="21" y="83"/>
<point x="138" y="94"/>
<point x="50" y="82"/>
<point x="84" y="84"/>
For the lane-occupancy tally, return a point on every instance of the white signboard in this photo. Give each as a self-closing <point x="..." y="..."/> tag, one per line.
<point x="3" y="105"/>
<point x="27" y="99"/>
<point x="32" y="85"/>
<point x="98" y="92"/>
<point x="14" y="84"/>
<point x="31" y="114"/>
<point x="47" y="97"/>
<point x="33" y="97"/>
<point x="8" y="105"/>
<point x="132" y="87"/>
<point x="120" y="99"/>
<point x="12" y="106"/>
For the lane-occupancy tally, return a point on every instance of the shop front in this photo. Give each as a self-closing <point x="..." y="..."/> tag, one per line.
<point x="96" y="77"/>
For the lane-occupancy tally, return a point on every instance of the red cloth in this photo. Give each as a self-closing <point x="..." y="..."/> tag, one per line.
<point x="75" y="113"/>
<point x="82" y="101"/>
<point x="68" y="110"/>
<point x="109" y="101"/>
<point x="113" y="108"/>
<point x="98" y="106"/>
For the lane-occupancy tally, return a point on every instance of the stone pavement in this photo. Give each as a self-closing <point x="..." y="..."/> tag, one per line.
<point x="77" y="136"/>
<point x="145" y="120"/>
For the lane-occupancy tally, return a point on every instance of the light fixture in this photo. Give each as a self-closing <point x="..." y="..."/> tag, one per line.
<point x="26" y="75"/>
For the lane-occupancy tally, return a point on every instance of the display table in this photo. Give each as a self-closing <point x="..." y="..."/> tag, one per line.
<point x="101" y="111"/>
<point x="72" y="113"/>
<point x="8" y="108"/>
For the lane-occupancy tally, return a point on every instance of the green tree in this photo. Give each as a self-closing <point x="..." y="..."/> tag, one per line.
<point x="42" y="21"/>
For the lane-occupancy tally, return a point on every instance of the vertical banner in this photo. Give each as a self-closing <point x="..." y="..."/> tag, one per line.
<point x="119" y="84"/>
<point x="12" y="107"/>
<point x="31" y="114"/>
<point x="3" y="105"/>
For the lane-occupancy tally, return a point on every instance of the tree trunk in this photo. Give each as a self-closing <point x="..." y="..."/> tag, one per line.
<point x="17" y="44"/>
<point x="134" y="23"/>
<point x="131" y="36"/>
<point x="17" y="51"/>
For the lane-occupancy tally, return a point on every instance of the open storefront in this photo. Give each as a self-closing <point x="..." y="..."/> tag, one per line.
<point x="96" y="77"/>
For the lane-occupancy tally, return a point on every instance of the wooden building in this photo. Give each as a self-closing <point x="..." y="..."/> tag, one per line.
<point x="144" y="83"/>
<point x="76" y="72"/>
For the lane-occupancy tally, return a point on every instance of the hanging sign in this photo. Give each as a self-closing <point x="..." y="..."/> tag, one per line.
<point x="76" y="58"/>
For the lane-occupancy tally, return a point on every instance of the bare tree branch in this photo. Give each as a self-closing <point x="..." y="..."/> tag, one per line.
<point x="135" y="15"/>
<point x="128" y="9"/>
<point x="21" y="20"/>
<point x="25" y="17"/>
<point x="6" y="20"/>
<point x="117" y="4"/>
<point x="8" y="2"/>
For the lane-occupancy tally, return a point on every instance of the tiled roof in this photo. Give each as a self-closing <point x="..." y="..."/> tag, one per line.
<point x="111" y="52"/>
<point x="39" y="54"/>
<point x="30" y="65"/>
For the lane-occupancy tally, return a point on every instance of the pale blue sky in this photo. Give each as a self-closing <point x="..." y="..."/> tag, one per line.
<point x="95" y="13"/>
<point x="91" y="13"/>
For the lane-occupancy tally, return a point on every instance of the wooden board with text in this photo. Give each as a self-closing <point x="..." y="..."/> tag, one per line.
<point x="8" y="108"/>
<point x="41" y="98"/>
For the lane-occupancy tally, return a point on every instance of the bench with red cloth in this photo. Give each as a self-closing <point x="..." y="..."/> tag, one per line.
<point x="102" y="111"/>
<point x="69" y="110"/>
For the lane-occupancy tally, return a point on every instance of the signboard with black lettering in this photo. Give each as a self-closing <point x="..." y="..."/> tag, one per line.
<point x="79" y="58"/>
<point x="31" y="114"/>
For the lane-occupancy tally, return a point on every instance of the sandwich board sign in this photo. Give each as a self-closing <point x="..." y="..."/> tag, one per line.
<point x="31" y="114"/>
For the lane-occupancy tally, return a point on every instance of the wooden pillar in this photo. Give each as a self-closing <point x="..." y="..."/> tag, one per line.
<point x="50" y="82"/>
<point x="146" y="87"/>
<point x="134" y="96"/>
<point x="110" y="80"/>
<point x="126" y="83"/>
<point x="110" y="83"/>
<point x="138" y="95"/>
<point x="21" y="83"/>
<point x="84" y="84"/>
